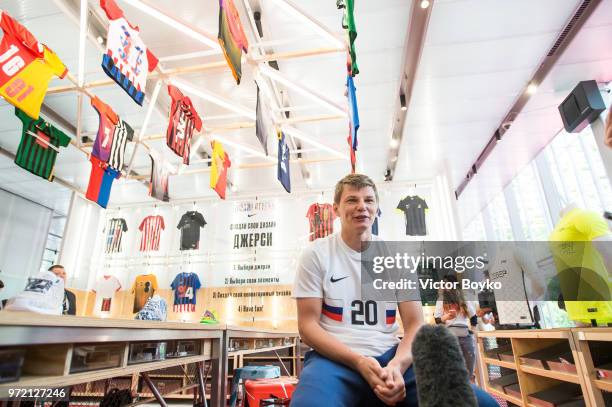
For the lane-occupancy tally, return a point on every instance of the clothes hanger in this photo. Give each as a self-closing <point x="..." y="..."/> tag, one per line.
<point x="43" y="140"/>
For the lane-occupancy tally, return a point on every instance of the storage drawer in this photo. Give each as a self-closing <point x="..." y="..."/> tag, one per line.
<point x="146" y="352"/>
<point x="11" y="362"/>
<point x="179" y="349"/>
<point x="94" y="357"/>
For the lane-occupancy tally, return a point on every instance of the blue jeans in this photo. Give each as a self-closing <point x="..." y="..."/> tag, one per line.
<point x="327" y="383"/>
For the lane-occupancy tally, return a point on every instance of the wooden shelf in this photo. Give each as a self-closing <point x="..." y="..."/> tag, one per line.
<point x="553" y="374"/>
<point x="259" y="350"/>
<point x="504" y="396"/>
<point x="501" y="363"/>
<point x="605" y="385"/>
<point x="102" y="374"/>
<point x="561" y="333"/>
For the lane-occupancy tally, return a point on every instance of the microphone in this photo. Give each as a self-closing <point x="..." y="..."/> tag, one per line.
<point x="441" y="376"/>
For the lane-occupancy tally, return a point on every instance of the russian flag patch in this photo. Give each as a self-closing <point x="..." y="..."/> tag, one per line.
<point x="390" y="316"/>
<point x="334" y="313"/>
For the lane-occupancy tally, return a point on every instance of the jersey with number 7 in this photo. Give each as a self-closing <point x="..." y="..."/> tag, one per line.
<point x="26" y="67"/>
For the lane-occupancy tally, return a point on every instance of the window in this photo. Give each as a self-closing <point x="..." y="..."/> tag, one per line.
<point x="533" y="214"/>
<point x="497" y="212"/>
<point x="475" y="230"/>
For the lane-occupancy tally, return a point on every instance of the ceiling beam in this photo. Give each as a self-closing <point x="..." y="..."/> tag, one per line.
<point x="577" y="20"/>
<point x="413" y="48"/>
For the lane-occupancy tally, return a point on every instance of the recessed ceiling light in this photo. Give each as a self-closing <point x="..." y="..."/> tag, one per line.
<point x="425" y="4"/>
<point x="532" y="88"/>
<point x="394" y="143"/>
<point x="100" y="40"/>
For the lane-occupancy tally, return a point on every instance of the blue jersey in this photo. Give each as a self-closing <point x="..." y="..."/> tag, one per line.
<point x="283" y="174"/>
<point x="185" y="286"/>
<point x="353" y="112"/>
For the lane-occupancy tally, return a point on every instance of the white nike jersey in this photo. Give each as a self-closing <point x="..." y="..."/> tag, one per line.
<point x="331" y="270"/>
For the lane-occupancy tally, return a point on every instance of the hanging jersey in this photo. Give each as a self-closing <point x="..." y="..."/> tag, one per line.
<point x="348" y="23"/>
<point x="353" y="112"/>
<point x="106" y="129"/>
<point x="114" y="234"/>
<point x="100" y="181"/>
<point x="263" y="121"/>
<point x="127" y="60"/>
<point x="414" y="210"/>
<point x="185" y="286"/>
<point x="122" y="134"/>
<point x="39" y="146"/>
<point x="375" y="224"/>
<point x="352" y="153"/>
<point x="160" y="171"/>
<point x="218" y="170"/>
<point x="183" y="121"/>
<point x="151" y="228"/>
<point x="321" y="218"/>
<point x="105" y="290"/>
<point x="143" y="288"/>
<point x="283" y="169"/>
<point x="231" y="48"/>
<point x="190" y="225"/>
<point x="26" y="67"/>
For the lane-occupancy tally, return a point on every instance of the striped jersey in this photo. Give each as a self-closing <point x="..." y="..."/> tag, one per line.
<point x="183" y="121"/>
<point x="114" y="234"/>
<point x="112" y="137"/>
<point x="26" y="67"/>
<point x="123" y="133"/>
<point x="39" y="146"/>
<point x="185" y="286"/>
<point x="321" y="218"/>
<point x="127" y="60"/>
<point x="160" y="171"/>
<point x="151" y="228"/>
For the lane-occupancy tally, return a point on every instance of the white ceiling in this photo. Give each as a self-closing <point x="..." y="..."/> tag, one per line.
<point x="477" y="58"/>
<point x="587" y="57"/>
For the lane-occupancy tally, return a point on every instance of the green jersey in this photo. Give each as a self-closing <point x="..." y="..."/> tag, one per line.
<point x="348" y="23"/>
<point x="39" y="146"/>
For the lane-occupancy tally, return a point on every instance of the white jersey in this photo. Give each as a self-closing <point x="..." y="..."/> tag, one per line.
<point x="44" y="294"/>
<point x="330" y="270"/>
<point x="105" y="290"/>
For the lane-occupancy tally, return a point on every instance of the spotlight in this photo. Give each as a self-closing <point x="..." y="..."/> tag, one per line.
<point x="424" y="3"/>
<point x="532" y="88"/>
<point x="394" y="143"/>
<point x="403" y="102"/>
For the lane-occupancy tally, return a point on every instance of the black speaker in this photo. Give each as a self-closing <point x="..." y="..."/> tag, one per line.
<point x="581" y="107"/>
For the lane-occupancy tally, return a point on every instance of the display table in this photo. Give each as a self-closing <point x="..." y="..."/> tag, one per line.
<point x="62" y="351"/>
<point x="516" y="350"/>
<point x="69" y="350"/>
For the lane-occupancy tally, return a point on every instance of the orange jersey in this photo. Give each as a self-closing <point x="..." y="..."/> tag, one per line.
<point x="26" y="67"/>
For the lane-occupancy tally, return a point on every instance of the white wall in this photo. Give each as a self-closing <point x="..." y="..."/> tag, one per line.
<point x="23" y="234"/>
<point x="78" y="254"/>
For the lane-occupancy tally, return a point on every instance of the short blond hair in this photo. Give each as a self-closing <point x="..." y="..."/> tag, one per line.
<point x="357" y="181"/>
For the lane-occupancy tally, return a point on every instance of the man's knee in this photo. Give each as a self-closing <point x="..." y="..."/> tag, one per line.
<point x="324" y="382"/>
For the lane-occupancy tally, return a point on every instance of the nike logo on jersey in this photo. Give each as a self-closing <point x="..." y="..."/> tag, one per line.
<point x="250" y="215"/>
<point x="335" y="280"/>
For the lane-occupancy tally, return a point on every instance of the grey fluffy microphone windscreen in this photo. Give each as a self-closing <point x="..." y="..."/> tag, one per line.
<point x="441" y="376"/>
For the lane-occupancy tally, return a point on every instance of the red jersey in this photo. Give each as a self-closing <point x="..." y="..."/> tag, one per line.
<point x="183" y="120"/>
<point x="321" y="218"/>
<point x="151" y="228"/>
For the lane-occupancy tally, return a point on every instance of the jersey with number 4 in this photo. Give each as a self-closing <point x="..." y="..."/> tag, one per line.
<point x="185" y="286"/>
<point x="26" y="67"/>
<point x="331" y="270"/>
